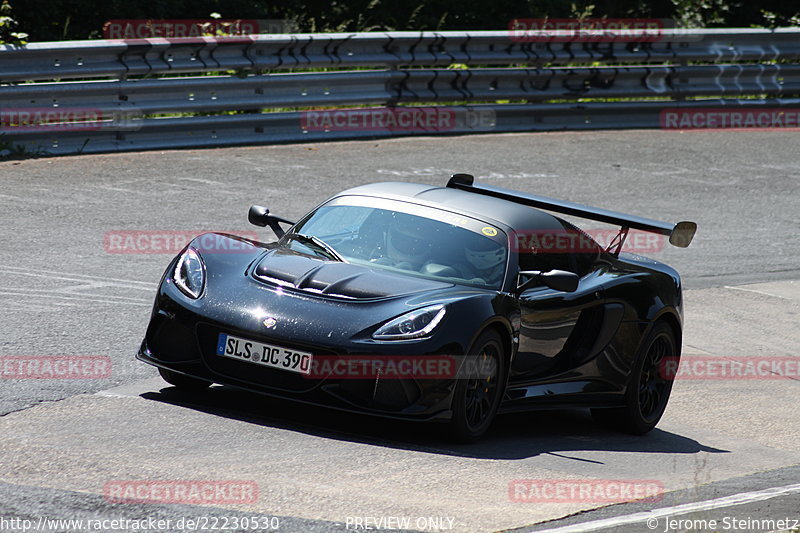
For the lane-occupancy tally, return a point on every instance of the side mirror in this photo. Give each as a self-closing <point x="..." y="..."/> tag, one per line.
<point x="559" y="280"/>
<point x="259" y="216"/>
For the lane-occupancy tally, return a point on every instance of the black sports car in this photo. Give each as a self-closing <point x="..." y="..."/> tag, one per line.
<point x="428" y="303"/>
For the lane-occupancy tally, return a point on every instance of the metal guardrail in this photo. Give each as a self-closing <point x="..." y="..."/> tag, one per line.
<point x="496" y="82"/>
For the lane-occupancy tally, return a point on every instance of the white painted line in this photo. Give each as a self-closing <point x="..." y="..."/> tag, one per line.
<point x="50" y="274"/>
<point x="756" y="291"/>
<point x="688" y="347"/>
<point x="89" y="298"/>
<point x="67" y="291"/>
<point x="652" y="516"/>
<point x="199" y="180"/>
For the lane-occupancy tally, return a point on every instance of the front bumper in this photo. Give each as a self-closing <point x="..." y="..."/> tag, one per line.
<point x="184" y="340"/>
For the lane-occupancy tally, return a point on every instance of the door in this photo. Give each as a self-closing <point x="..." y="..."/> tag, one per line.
<point x="556" y="329"/>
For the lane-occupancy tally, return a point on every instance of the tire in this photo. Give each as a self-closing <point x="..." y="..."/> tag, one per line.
<point x="476" y="398"/>
<point x="183" y="381"/>
<point x="648" y="389"/>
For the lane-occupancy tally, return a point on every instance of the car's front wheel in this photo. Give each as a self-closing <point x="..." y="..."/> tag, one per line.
<point x="182" y="381"/>
<point x="649" y="386"/>
<point x="479" y="388"/>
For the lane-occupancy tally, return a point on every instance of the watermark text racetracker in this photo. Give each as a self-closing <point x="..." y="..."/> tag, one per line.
<point x="563" y="241"/>
<point x="715" y="118"/>
<point x="55" y="366"/>
<point x="707" y="367"/>
<point x="402" y="119"/>
<point x="191" y="491"/>
<point x="182" y="28"/>
<point x="173" y="241"/>
<point x="401" y="367"/>
<point x="560" y="30"/>
<point x="64" y="119"/>
<point x="584" y="490"/>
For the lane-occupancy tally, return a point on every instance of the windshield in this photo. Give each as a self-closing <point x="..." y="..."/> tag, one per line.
<point x="409" y="238"/>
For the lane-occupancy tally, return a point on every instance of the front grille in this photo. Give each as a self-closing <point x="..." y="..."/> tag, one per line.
<point x="382" y="394"/>
<point x="169" y="340"/>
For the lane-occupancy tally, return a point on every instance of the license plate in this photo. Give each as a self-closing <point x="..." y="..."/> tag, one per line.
<point x="263" y="354"/>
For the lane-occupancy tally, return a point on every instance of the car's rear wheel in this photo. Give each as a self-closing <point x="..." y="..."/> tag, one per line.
<point x="649" y="386"/>
<point x="478" y="389"/>
<point x="183" y="381"/>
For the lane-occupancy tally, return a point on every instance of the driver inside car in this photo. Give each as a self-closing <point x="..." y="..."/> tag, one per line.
<point x="484" y="261"/>
<point x="408" y="244"/>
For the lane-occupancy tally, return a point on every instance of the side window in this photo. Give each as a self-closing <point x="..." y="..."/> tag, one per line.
<point x="565" y="248"/>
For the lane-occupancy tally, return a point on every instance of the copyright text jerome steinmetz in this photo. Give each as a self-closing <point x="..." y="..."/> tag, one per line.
<point x="726" y="523"/>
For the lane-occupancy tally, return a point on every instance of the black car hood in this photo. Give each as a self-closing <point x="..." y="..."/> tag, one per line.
<point x="333" y="278"/>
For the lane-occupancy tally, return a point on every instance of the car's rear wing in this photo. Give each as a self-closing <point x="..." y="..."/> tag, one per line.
<point x="680" y="234"/>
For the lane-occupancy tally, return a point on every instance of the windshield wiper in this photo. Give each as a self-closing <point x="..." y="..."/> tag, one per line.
<point x="321" y="245"/>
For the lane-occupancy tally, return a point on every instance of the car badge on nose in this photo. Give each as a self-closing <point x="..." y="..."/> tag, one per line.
<point x="270" y="322"/>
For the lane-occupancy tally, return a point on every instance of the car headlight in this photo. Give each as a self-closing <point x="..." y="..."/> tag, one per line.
<point x="190" y="273"/>
<point x="413" y="325"/>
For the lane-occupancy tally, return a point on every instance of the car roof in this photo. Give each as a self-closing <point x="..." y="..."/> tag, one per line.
<point x="513" y="215"/>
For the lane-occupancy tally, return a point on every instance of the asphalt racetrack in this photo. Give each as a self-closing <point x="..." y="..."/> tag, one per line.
<point x="727" y="450"/>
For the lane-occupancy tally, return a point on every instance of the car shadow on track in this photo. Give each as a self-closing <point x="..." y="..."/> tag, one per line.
<point x="512" y="436"/>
